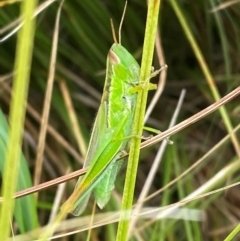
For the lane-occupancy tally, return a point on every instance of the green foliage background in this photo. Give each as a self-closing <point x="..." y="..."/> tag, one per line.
<point x="84" y="40"/>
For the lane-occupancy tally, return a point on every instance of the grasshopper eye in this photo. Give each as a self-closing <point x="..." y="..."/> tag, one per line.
<point x="113" y="58"/>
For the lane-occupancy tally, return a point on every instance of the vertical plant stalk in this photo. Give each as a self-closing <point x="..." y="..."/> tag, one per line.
<point x="234" y="232"/>
<point x="17" y="113"/>
<point x="47" y="103"/>
<point x="148" y="48"/>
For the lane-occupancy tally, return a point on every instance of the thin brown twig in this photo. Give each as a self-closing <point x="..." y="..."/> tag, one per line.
<point x="145" y="144"/>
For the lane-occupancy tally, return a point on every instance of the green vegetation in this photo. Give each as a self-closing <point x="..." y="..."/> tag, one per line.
<point x="201" y="48"/>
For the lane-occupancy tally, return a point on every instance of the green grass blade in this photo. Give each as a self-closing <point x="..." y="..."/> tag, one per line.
<point x="17" y="114"/>
<point x="148" y="48"/>
<point x="25" y="211"/>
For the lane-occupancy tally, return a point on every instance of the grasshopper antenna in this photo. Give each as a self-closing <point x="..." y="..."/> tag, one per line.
<point x="113" y="32"/>
<point x="120" y="26"/>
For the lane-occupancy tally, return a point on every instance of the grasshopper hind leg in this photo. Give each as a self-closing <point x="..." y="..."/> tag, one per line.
<point x="103" y="190"/>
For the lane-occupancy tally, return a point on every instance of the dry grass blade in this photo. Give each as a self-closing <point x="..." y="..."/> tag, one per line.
<point x="49" y="184"/>
<point x="195" y="165"/>
<point x="73" y="117"/>
<point x="155" y="165"/>
<point x="18" y="22"/>
<point x="225" y="5"/>
<point x="162" y="78"/>
<point x="47" y="102"/>
<point x="145" y="144"/>
<point x="51" y="130"/>
<point x="191" y="120"/>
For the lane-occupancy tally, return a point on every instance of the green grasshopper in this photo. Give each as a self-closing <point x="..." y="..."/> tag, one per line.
<point x="111" y="132"/>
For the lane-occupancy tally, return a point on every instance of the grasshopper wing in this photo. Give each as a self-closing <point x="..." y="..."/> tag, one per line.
<point x="96" y="145"/>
